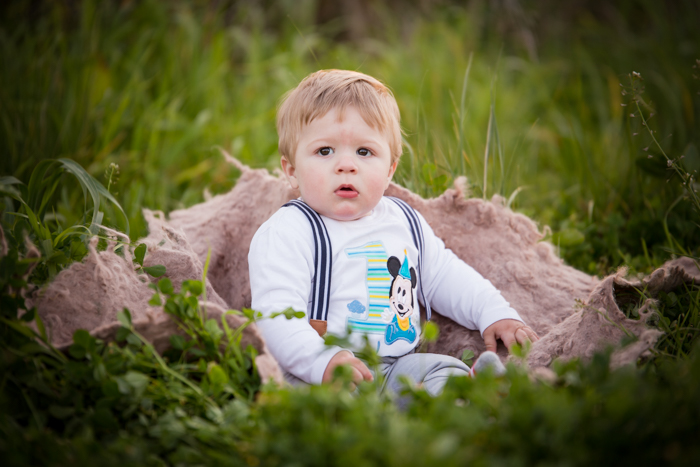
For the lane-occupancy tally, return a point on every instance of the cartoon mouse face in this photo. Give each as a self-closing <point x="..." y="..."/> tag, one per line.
<point x="401" y="298"/>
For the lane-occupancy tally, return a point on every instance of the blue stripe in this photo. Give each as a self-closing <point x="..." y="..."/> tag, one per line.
<point x="417" y="234"/>
<point x="320" y="296"/>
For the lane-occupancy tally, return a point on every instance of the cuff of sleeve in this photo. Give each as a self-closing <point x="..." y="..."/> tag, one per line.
<point x="491" y="318"/>
<point x="321" y="362"/>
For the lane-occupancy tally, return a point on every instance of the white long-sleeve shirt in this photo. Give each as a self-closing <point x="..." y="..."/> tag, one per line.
<point x="371" y="288"/>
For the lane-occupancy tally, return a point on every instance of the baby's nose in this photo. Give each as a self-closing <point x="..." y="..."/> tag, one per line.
<point x="346" y="163"/>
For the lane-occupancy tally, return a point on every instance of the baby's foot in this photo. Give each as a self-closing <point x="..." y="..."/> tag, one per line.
<point x="486" y="360"/>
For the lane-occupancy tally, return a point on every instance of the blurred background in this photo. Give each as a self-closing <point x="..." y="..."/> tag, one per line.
<point x="535" y="101"/>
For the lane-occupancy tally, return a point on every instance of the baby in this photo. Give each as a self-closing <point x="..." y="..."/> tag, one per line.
<point x="353" y="259"/>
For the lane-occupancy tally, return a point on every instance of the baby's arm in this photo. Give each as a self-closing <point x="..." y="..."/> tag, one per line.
<point x="459" y="292"/>
<point x="281" y="266"/>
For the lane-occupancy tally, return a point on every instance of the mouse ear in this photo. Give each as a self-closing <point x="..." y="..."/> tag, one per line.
<point x="414" y="278"/>
<point x="393" y="264"/>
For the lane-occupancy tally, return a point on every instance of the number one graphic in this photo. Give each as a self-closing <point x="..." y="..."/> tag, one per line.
<point x="378" y="285"/>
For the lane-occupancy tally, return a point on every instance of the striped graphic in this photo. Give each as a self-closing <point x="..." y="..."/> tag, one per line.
<point x="378" y="288"/>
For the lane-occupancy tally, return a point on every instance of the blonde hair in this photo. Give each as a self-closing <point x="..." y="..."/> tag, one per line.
<point x="324" y="90"/>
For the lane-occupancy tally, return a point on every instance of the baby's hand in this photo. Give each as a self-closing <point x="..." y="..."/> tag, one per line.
<point x="360" y="372"/>
<point x="509" y="331"/>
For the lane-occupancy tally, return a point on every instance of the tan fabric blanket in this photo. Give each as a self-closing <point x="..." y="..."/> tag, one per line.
<point x="574" y="314"/>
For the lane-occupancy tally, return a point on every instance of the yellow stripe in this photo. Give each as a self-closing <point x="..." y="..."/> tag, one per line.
<point x="378" y="279"/>
<point x="375" y="315"/>
<point x="377" y="260"/>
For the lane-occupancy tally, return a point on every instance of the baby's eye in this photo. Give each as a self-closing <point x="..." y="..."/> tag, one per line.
<point x="364" y="152"/>
<point x="326" y="151"/>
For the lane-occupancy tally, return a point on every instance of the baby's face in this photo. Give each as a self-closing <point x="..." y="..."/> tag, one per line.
<point x="341" y="167"/>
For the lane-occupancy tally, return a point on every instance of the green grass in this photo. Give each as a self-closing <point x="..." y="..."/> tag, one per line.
<point x="553" y="126"/>
<point x="154" y="86"/>
<point x="201" y="403"/>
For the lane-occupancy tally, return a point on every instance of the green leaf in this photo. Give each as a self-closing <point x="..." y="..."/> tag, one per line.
<point x="177" y="341"/>
<point x="124" y="317"/>
<point x="212" y="327"/>
<point x="58" y="257"/>
<point x="138" y="381"/>
<point x="192" y="302"/>
<point x="517" y="350"/>
<point x="248" y="313"/>
<point x="9" y="180"/>
<point x="123" y="385"/>
<point x="122" y="334"/>
<point x="155" y="271"/>
<point x="166" y="286"/>
<point x="217" y="376"/>
<point x="194" y="287"/>
<point x="140" y="253"/>
<point x="467" y="357"/>
<point x="77" y="351"/>
<point x="12" y="192"/>
<point x="155" y="300"/>
<point x="110" y="388"/>
<point x="40" y="326"/>
<point x="20" y="327"/>
<point x="74" y="231"/>
<point x="28" y="316"/>
<point x="82" y="338"/>
<point x="430" y="332"/>
<point x="133" y="339"/>
<point x="96" y="189"/>
<point x="32" y="347"/>
<point x="289" y="313"/>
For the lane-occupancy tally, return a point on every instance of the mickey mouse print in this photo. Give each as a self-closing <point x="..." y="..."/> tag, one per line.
<point x="401" y="302"/>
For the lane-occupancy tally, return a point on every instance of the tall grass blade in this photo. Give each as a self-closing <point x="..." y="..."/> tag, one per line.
<point x="487" y="150"/>
<point x="96" y="189"/>
<point x="462" y="115"/>
<point x="512" y="196"/>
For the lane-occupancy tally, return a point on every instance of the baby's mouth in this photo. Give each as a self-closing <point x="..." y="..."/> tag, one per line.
<point x="346" y="191"/>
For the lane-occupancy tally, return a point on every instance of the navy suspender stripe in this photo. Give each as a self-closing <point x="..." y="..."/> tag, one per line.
<point x="417" y="233"/>
<point x="320" y="295"/>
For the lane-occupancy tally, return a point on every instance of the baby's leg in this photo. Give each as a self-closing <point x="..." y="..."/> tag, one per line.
<point x="429" y="370"/>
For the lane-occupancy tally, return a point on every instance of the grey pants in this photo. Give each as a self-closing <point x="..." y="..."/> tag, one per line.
<point x="426" y="369"/>
<point x="429" y="370"/>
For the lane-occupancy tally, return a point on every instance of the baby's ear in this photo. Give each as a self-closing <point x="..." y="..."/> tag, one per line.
<point x="284" y="162"/>
<point x="392" y="169"/>
<point x="393" y="264"/>
<point x="289" y="172"/>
